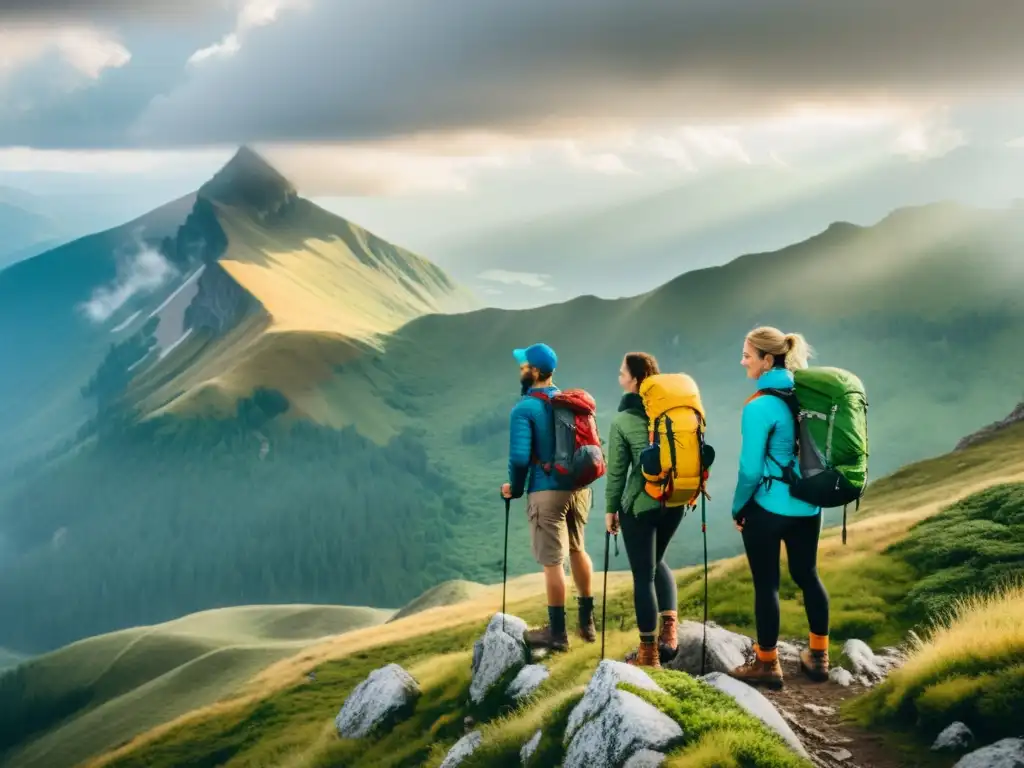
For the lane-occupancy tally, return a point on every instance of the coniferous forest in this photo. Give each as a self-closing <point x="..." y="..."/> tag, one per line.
<point x="168" y="516"/>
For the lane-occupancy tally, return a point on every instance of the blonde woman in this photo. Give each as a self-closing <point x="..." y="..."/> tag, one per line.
<point x="767" y="515"/>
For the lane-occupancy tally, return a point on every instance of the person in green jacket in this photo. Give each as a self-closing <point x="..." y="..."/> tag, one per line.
<point x="647" y="527"/>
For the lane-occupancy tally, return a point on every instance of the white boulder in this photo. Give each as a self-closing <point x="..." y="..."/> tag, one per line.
<point x="1008" y="753"/>
<point x="529" y="748"/>
<point x="645" y="758"/>
<point x="625" y="726"/>
<point x="382" y="695"/>
<point x="462" y="749"/>
<point x="956" y="737"/>
<point x="757" y="705"/>
<point x="527" y="681"/>
<point x="725" y="650"/>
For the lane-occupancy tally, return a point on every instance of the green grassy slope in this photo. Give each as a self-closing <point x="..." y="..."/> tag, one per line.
<point x="968" y="669"/>
<point x="446" y="593"/>
<point x="285" y="719"/>
<point x="89" y="696"/>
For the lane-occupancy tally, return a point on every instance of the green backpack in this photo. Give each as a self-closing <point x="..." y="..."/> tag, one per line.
<point x="830" y="408"/>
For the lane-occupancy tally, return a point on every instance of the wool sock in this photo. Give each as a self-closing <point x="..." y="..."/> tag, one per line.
<point x="586" y="609"/>
<point x="556" y="617"/>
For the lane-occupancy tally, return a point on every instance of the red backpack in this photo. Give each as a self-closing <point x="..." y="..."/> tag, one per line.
<point x="577" y="455"/>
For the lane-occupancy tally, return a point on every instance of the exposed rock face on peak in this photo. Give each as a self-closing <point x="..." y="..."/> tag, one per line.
<point x="1016" y="416"/>
<point x="249" y="181"/>
<point x="220" y="302"/>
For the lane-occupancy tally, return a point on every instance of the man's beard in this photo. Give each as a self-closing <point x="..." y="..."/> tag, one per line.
<point x="526" y="381"/>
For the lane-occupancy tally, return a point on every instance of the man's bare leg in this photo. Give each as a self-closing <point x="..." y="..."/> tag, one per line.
<point x="582" y="572"/>
<point x="554" y="581"/>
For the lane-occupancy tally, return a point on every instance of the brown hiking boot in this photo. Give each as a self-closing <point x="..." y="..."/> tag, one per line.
<point x="814" y="659"/>
<point x="646" y="655"/>
<point x="668" y="641"/>
<point x="764" y="669"/>
<point x="543" y="638"/>
<point x="587" y="630"/>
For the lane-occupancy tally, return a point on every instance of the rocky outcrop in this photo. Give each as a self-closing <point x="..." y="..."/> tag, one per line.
<point x="841" y="676"/>
<point x="610" y="725"/>
<point x="868" y="667"/>
<point x="219" y="304"/>
<point x="1016" y="416"/>
<point x="954" y="738"/>
<point x="645" y="758"/>
<point x="528" y="681"/>
<point x="463" y="748"/>
<point x="757" y="705"/>
<point x="529" y="749"/>
<point x="726" y="650"/>
<point x="1008" y="753"/>
<point x="497" y="654"/>
<point x="387" y="696"/>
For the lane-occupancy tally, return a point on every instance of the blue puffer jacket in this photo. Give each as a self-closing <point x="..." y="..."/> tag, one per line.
<point x="531" y="434"/>
<point x="760" y="416"/>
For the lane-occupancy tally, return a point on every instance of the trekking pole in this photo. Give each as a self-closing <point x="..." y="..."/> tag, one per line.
<point x="504" y="565"/>
<point x="604" y="592"/>
<point x="704" y="531"/>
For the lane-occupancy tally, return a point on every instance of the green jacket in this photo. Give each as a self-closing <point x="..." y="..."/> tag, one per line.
<point x="624" y="486"/>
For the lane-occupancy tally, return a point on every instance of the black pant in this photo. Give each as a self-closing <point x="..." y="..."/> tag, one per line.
<point x="763" y="533"/>
<point x="646" y="536"/>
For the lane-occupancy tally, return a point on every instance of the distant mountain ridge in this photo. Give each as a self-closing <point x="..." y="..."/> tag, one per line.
<point x="991" y="430"/>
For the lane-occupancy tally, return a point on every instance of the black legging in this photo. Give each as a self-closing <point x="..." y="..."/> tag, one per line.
<point x="646" y="536"/>
<point x="763" y="532"/>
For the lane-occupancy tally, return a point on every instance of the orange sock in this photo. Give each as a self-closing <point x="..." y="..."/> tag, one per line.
<point x="819" y="642"/>
<point x="763" y="655"/>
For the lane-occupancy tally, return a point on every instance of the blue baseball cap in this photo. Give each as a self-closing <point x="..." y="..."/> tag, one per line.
<point x="540" y="356"/>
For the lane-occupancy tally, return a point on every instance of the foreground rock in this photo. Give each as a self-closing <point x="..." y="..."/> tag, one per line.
<point x="529" y="748"/>
<point x="726" y="650"/>
<point x="463" y="748"/>
<point x="1008" y="753"/>
<point x="645" y="758"/>
<point x="869" y="667"/>
<point x="955" y="738"/>
<point x="385" y="697"/>
<point x="757" y="705"/>
<point x="609" y="726"/>
<point x="497" y="654"/>
<point x="527" y="681"/>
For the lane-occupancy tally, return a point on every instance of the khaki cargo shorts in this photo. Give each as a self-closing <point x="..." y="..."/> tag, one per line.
<point x="556" y="523"/>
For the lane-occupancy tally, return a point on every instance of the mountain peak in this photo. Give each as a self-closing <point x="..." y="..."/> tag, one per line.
<point x="247" y="180"/>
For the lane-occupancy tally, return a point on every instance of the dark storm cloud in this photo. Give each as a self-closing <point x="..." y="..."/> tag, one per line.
<point x="86" y="10"/>
<point x="365" y="69"/>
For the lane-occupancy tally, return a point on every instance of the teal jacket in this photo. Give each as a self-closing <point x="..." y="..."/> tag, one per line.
<point x="767" y="427"/>
<point x="628" y="436"/>
<point x="531" y="435"/>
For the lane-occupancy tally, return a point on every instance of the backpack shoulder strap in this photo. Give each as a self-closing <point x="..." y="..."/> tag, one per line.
<point x="789" y="398"/>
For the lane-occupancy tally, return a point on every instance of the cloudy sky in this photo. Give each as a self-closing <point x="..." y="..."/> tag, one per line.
<point x="426" y="119"/>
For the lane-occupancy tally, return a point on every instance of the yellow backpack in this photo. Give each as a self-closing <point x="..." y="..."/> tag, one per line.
<point x="675" y="463"/>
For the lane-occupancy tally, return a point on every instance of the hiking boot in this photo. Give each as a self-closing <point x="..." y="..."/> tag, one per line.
<point x="646" y="655"/>
<point x="814" y="659"/>
<point x="668" y="641"/>
<point x="544" y="638"/>
<point x="587" y="630"/>
<point x="764" y="669"/>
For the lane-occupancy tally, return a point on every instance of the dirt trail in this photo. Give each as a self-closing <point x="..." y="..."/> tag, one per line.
<point x="812" y="711"/>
